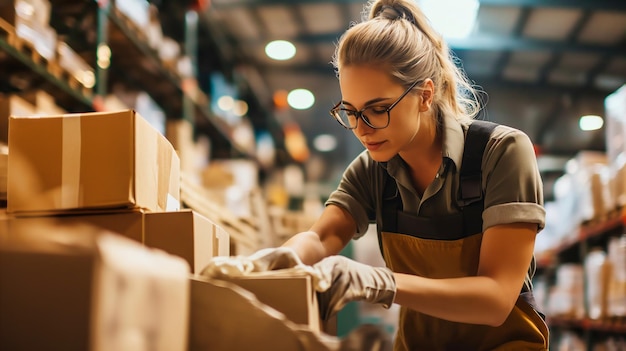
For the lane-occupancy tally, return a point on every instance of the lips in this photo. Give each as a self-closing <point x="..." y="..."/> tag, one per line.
<point x="372" y="146"/>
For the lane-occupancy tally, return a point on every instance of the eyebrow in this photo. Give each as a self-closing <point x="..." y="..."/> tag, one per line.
<point x="367" y="103"/>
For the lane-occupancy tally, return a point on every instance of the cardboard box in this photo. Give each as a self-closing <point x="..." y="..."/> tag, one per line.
<point x="12" y="105"/>
<point x="292" y="295"/>
<point x="31" y="11"/>
<point x="100" y="160"/>
<point x="81" y="288"/>
<point x="44" y="103"/>
<point x="185" y="234"/>
<point x="225" y="317"/>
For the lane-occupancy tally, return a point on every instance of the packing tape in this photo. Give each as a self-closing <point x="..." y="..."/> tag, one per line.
<point x="173" y="204"/>
<point x="70" y="161"/>
<point x="165" y="160"/>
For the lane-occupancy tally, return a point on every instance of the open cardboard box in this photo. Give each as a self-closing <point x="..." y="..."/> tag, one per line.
<point x="293" y="295"/>
<point x="224" y="317"/>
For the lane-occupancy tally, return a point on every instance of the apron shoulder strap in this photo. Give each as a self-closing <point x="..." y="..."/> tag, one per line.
<point x="470" y="188"/>
<point x="476" y="141"/>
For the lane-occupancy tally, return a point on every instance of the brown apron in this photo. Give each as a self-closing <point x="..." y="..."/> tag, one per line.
<point x="448" y="246"/>
<point x="524" y="329"/>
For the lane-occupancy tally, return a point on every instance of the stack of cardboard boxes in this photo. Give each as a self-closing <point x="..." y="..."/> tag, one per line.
<point x="96" y="253"/>
<point x="110" y="169"/>
<point x="80" y="187"/>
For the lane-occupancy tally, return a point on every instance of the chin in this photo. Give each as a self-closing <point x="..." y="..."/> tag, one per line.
<point x="380" y="156"/>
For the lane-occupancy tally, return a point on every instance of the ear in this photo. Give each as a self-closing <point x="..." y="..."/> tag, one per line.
<point x="427" y="93"/>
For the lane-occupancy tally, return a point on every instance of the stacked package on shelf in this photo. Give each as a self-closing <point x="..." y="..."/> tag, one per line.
<point x="143" y="18"/>
<point x="12" y="105"/>
<point x="581" y="195"/>
<point x="615" y="108"/>
<point x="616" y="294"/>
<point x="566" y="297"/>
<point x="180" y="133"/>
<point x="43" y="102"/>
<point x="29" y="103"/>
<point x="141" y="102"/>
<point x="71" y="66"/>
<point x="30" y="22"/>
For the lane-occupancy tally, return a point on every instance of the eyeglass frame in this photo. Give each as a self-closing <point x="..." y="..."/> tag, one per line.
<point x="359" y="113"/>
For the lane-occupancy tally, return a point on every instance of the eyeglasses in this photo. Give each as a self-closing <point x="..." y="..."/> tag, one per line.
<point x="376" y="117"/>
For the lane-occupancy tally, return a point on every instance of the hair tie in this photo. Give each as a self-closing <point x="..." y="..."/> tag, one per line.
<point x="393" y="13"/>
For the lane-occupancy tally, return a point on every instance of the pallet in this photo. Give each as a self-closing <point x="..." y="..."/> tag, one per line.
<point x="130" y="25"/>
<point x="63" y="74"/>
<point x="23" y="46"/>
<point x="8" y="33"/>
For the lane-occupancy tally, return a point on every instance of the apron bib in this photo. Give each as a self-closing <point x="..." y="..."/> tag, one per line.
<point x="524" y="329"/>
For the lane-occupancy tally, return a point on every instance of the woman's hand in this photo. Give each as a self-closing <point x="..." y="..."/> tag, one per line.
<point x="264" y="260"/>
<point x="353" y="281"/>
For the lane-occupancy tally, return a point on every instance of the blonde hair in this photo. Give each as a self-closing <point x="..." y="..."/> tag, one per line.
<point x="396" y="34"/>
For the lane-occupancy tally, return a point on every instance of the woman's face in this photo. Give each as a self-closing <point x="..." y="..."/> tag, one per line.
<point x="366" y="86"/>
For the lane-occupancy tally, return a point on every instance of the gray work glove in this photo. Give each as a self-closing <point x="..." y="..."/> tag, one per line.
<point x="353" y="281"/>
<point x="264" y="260"/>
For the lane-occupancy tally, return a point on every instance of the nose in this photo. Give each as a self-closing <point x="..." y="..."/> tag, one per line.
<point x="362" y="128"/>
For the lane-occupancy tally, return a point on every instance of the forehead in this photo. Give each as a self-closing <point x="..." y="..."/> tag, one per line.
<point x="361" y="83"/>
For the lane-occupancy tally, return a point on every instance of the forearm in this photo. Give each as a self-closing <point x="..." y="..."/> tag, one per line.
<point x="474" y="300"/>
<point x="328" y="236"/>
<point x="308" y="246"/>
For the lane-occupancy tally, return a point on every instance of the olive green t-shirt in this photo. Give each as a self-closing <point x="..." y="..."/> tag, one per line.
<point x="513" y="190"/>
<point x="512" y="186"/>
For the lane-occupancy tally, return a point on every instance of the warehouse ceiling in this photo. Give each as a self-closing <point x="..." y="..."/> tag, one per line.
<point x="544" y="62"/>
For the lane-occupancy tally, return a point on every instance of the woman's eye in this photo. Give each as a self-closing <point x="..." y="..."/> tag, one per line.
<point x="378" y="109"/>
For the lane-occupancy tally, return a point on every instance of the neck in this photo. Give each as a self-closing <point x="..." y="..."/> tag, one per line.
<point x="425" y="149"/>
<point x="424" y="157"/>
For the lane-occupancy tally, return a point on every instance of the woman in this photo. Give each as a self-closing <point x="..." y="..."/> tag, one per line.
<point x="457" y="202"/>
<point x="458" y="247"/>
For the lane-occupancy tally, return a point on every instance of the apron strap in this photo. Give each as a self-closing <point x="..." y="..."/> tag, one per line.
<point x="471" y="195"/>
<point x="470" y="189"/>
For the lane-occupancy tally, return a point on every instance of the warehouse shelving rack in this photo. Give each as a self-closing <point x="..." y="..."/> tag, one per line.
<point x="132" y="62"/>
<point x="573" y="249"/>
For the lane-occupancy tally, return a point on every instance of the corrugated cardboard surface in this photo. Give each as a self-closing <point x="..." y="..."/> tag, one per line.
<point x="12" y="105"/>
<point x="225" y="317"/>
<point x="294" y="296"/>
<point x="186" y="234"/>
<point x="90" y="161"/>
<point x="77" y="287"/>
<point x="45" y="299"/>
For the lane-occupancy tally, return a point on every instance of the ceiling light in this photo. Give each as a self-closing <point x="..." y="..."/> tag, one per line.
<point x="225" y="103"/>
<point x="240" y="108"/>
<point x="325" y="142"/>
<point x="280" y="50"/>
<point x="300" y="99"/>
<point x="590" y="122"/>
<point x="454" y="19"/>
